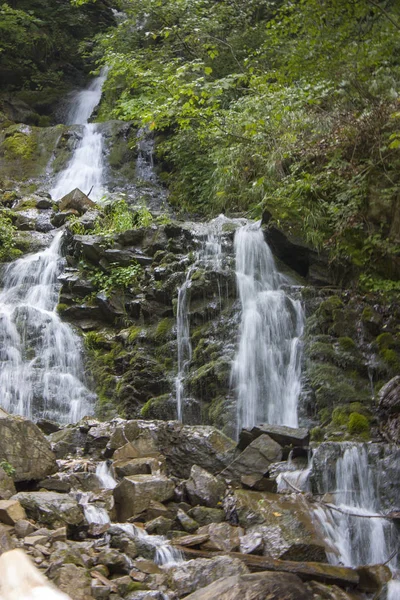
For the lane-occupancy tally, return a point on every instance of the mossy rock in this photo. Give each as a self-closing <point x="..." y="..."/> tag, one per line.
<point x="162" y="407"/>
<point x="358" y="424"/>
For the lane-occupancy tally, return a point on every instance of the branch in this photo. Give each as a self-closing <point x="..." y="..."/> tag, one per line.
<point x="385" y="13"/>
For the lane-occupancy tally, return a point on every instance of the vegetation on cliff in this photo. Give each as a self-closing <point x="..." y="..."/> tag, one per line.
<point x="286" y="106"/>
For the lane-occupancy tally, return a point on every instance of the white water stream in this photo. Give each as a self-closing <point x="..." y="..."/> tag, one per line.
<point x="354" y="538"/>
<point x="41" y="370"/>
<point x="85" y="169"/>
<point x="267" y="367"/>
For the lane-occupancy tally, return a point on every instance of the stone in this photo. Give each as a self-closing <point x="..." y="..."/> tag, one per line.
<point x="6" y="541"/>
<point x="115" y="561"/>
<point x="373" y="577"/>
<point x="76" y="200"/>
<point x="139" y="466"/>
<point x="254" y="460"/>
<point x="7" y="487"/>
<point x="25" y="447"/>
<point x="126" y="452"/>
<point x="187" y="523"/>
<point x="257" y="586"/>
<point x="283" y="435"/>
<point x="221" y="537"/>
<point x="50" y="508"/>
<point x="134" y="493"/>
<point x="198" y="573"/>
<point x="159" y="526"/>
<point x="252" y="542"/>
<point x="192" y="540"/>
<point x="389" y="396"/>
<point x="203" y="488"/>
<point x="11" y="511"/>
<point x="204" y="516"/>
<point x="67" y="441"/>
<point x="23" y="528"/>
<point x="320" y="591"/>
<point x="48" y="426"/>
<point x="285" y="523"/>
<point x="74" y="581"/>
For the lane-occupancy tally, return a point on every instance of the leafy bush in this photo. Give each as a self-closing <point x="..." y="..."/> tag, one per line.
<point x="7" y="238"/>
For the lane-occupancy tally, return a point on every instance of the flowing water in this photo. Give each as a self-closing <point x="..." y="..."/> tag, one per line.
<point x="357" y="535"/>
<point x="267" y="367"/>
<point x="105" y="475"/>
<point x="41" y="370"/>
<point x="164" y="553"/>
<point x="85" y="169"/>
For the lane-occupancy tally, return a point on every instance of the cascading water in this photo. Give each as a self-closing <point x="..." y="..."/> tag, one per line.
<point x="266" y="370"/>
<point x="85" y="170"/>
<point x="41" y="370"/>
<point x="209" y="257"/>
<point x="356" y="535"/>
<point x="105" y="476"/>
<point x="164" y="553"/>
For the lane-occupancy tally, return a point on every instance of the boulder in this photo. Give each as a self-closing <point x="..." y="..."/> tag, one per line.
<point x="186" y="522"/>
<point x="67" y="441"/>
<point x="203" y="488"/>
<point x="134" y="494"/>
<point x="254" y="460"/>
<point x="204" y="516"/>
<point x="389" y="396"/>
<point x="76" y="200"/>
<point x="50" y="508"/>
<point x="139" y="466"/>
<point x="6" y="541"/>
<point x="198" y="573"/>
<point x="257" y="586"/>
<point x="11" y="511"/>
<point x="115" y="561"/>
<point x="7" y="487"/>
<point x="320" y="591"/>
<point x="283" y="435"/>
<point x="74" y="581"/>
<point x="285" y="523"/>
<point x="221" y="537"/>
<point x="24" y="446"/>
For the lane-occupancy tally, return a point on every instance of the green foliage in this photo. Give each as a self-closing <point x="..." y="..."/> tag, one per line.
<point x="279" y="105"/>
<point x="7" y="237"/>
<point x="118" y="279"/>
<point x="7" y="468"/>
<point x="19" y="145"/>
<point x="117" y="217"/>
<point x="358" y="424"/>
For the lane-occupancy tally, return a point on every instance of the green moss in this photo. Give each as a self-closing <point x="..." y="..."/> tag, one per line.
<point x="390" y="357"/>
<point x="384" y="341"/>
<point x="329" y="305"/>
<point x="358" y="424"/>
<point x="133" y="334"/>
<point x="367" y="314"/>
<point x="19" y="145"/>
<point x="163" y="329"/>
<point x="61" y="307"/>
<point x="340" y="416"/>
<point x="317" y="434"/>
<point x="347" y="344"/>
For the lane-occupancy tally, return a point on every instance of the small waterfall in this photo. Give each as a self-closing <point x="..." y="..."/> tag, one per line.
<point x="165" y="554"/>
<point x="105" y="476"/>
<point x="93" y="514"/>
<point x="356" y="539"/>
<point x="85" y="170"/>
<point x="41" y="370"/>
<point x="293" y="476"/>
<point x="266" y="369"/>
<point x="210" y="257"/>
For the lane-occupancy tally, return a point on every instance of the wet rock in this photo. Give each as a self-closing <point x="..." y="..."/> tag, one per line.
<point x="50" y="508"/>
<point x="134" y="493"/>
<point x="221" y="536"/>
<point x="11" y="511"/>
<point x="139" y="466"/>
<point x="24" y="446"/>
<point x="68" y="441"/>
<point x="254" y="460"/>
<point x="7" y="487"/>
<point x="195" y="574"/>
<point x="320" y="591"/>
<point x="159" y="526"/>
<point x="203" y="488"/>
<point x="284" y="522"/>
<point x="187" y="523"/>
<point x="76" y="200"/>
<point x="373" y="577"/>
<point x="283" y="435"/>
<point x="205" y="516"/>
<point x="74" y="581"/>
<point x="257" y="586"/>
<point x="47" y="426"/>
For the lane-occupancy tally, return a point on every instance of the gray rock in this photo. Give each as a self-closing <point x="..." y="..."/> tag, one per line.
<point x="74" y="581"/>
<point x="134" y="494"/>
<point x="76" y="200"/>
<point x="389" y="396"/>
<point x="200" y="572"/>
<point x="11" y="511"/>
<point x="283" y="435"/>
<point x="115" y="561"/>
<point x="205" y="516"/>
<point x="257" y="586"/>
<point x="24" y="446"/>
<point x="254" y="460"/>
<point x="50" y="508"/>
<point x="222" y="537"/>
<point x="67" y="441"/>
<point x="203" y="488"/>
<point x="7" y="487"/>
<point x="187" y="523"/>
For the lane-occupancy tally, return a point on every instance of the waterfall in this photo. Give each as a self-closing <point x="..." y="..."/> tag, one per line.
<point x="355" y="539"/>
<point x="105" y="476"/>
<point x="266" y="370"/>
<point x="210" y="257"/>
<point x="164" y="553"/>
<point x="85" y="169"/>
<point x="41" y="370"/>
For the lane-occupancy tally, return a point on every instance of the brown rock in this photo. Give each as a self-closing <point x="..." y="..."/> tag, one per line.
<point x="254" y="460"/>
<point x="76" y="200"/>
<point x="203" y="488"/>
<point x="134" y="494"/>
<point x="74" y="581"/>
<point x="221" y="537"/>
<point x="11" y="511"/>
<point x="7" y="487"/>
